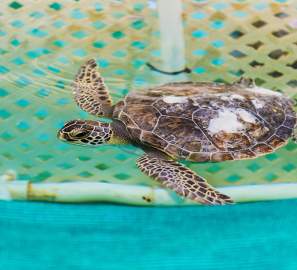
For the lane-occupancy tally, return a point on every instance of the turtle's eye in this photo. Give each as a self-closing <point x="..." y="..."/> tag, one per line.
<point x="79" y="133"/>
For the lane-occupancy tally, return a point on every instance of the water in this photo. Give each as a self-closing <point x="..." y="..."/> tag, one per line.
<point x="43" y="45"/>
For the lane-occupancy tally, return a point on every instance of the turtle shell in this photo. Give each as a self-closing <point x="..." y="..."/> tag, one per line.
<point x="207" y="121"/>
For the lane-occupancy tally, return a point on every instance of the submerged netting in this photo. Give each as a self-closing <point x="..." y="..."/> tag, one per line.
<point x="43" y="43"/>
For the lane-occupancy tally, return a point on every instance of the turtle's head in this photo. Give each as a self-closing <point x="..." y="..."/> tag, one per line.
<point x="85" y="132"/>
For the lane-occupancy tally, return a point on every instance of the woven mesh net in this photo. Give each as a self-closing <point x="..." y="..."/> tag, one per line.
<point x="43" y="43"/>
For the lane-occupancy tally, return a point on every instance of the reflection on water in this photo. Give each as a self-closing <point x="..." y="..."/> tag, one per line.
<point x="42" y="47"/>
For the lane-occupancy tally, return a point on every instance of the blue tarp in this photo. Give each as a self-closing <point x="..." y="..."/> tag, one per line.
<point x="95" y="236"/>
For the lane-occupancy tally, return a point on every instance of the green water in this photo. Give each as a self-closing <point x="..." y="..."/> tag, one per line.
<point x="42" y="47"/>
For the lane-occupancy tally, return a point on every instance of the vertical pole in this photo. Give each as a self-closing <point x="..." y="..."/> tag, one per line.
<point x="171" y="34"/>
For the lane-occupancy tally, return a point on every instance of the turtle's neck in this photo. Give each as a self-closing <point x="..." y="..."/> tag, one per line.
<point x="120" y="134"/>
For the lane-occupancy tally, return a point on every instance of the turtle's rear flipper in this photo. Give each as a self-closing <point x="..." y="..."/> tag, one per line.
<point x="90" y="91"/>
<point x="182" y="180"/>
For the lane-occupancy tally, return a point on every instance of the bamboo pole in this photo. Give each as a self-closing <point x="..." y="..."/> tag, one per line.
<point x="79" y="192"/>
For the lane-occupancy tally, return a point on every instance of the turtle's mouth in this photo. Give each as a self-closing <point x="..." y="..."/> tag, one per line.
<point x="61" y="136"/>
<point x="64" y="137"/>
<point x="67" y="139"/>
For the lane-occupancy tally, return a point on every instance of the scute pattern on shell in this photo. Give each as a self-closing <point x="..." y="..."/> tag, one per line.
<point x="210" y="122"/>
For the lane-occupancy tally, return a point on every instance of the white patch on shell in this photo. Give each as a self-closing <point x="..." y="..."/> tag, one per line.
<point x="258" y="104"/>
<point x="235" y="96"/>
<point x="175" y="99"/>
<point x="231" y="97"/>
<point x="263" y="91"/>
<point x="226" y="121"/>
<point x="246" y="116"/>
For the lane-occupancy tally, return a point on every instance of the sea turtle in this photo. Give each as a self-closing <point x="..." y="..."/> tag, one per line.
<point x="196" y="121"/>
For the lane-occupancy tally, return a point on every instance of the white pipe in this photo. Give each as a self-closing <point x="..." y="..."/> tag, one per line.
<point x="76" y="192"/>
<point x="171" y="34"/>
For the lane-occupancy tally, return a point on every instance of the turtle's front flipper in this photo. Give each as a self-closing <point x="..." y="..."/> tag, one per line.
<point x="90" y="91"/>
<point x="181" y="179"/>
